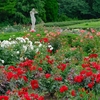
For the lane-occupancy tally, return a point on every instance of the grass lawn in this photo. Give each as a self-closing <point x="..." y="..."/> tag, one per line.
<point x="86" y="25"/>
<point x="92" y="23"/>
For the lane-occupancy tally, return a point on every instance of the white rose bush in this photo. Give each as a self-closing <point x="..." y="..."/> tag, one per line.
<point x="18" y="49"/>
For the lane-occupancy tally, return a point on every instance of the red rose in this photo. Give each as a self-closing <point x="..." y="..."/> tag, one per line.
<point x="10" y="75"/>
<point x="73" y="93"/>
<point x="85" y="65"/>
<point x="40" y="69"/>
<point x="25" y="78"/>
<point x="83" y="72"/>
<point x="78" y="78"/>
<point x="86" y="59"/>
<point x="89" y="73"/>
<point x="34" y="84"/>
<point x="3" y="97"/>
<point x="41" y="98"/>
<point x="26" y="96"/>
<point x="90" y="85"/>
<point x="98" y="78"/>
<point x="58" y="78"/>
<point x="63" y="88"/>
<point x="62" y="66"/>
<point x="45" y="40"/>
<point x="47" y="75"/>
<point x="93" y="55"/>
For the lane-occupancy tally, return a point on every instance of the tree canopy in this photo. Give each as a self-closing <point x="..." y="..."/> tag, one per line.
<point x="48" y="10"/>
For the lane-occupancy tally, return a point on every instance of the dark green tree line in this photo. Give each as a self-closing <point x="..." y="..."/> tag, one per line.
<point x="7" y="9"/>
<point x="18" y="10"/>
<point x="48" y="10"/>
<point x="82" y="9"/>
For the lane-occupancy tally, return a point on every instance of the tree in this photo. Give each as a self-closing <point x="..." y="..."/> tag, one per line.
<point x="73" y="8"/>
<point x="7" y="8"/>
<point x="96" y="8"/>
<point x="19" y="10"/>
<point x="51" y="7"/>
<point x="23" y="7"/>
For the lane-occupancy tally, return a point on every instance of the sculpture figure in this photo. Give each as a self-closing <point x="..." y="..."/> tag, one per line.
<point x="33" y="19"/>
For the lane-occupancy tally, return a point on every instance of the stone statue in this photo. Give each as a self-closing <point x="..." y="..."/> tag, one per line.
<point x="33" y="19"/>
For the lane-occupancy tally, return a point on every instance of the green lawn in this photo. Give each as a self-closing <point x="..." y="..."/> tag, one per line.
<point x="86" y="25"/>
<point x="6" y="36"/>
<point x="92" y="23"/>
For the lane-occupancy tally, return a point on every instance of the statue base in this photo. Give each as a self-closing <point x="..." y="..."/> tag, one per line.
<point x="32" y="30"/>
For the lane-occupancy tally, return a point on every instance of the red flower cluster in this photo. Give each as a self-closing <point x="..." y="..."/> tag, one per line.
<point x="40" y="69"/>
<point x="78" y="78"/>
<point x="3" y="97"/>
<point x="58" y="78"/>
<point x="95" y="65"/>
<point x="48" y="50"/>
<point x="87" y="72"/>
<point x="32" y="68"/>
<point x="47" y="75"/>
<point x="62" y="66"/>
<point x="37" y="97"/>
<point x="73" y="93"/>
<point x="22" y="91"/>
<point x="15" y="73"/>
<point x="93" y="55"/>
<point x="63" y="88"/>
<point x="24" y="95"/>
<point x="86" y="59"/>
<point x="9" y="75"/>
<point x="46" y="40"/>
<point x="49" y="61"/>
<point x="85" y="65"/>
<point x="26" y="63"/>
<point x="98" y="78"/>
<point x="91" y="84"/>
<point x="34" y="84"/>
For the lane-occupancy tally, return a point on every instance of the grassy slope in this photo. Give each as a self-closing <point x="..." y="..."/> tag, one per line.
<point x="93" y="23"/>
<point x="86" y="25"/>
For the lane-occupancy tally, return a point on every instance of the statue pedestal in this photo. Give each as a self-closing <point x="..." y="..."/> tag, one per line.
<point x="32" y="30"/>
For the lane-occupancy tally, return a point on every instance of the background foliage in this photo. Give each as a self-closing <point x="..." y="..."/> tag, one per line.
<point x="16" y="11"/>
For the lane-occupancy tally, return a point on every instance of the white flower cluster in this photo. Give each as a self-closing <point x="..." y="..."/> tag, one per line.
<point x="5" y="44"/>
<point x="19" y="46"/>
<point x="39" y="45"/>
<point x="26" y="43"/>
<point x="20" y="39"/>
<point x="2" y="61"/>
<point x="50" y="47"/>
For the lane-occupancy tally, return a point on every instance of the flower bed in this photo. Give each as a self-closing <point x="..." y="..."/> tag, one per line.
<point x="54" y="68"/>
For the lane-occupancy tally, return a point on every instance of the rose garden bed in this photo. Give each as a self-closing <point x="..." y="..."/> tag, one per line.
<point x="56" y="66"/>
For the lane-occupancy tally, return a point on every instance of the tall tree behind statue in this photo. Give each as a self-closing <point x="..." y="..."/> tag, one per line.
<point x="51" y="7"/>
<point x="18" y="10"/>
<point x="24" y="7"/>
